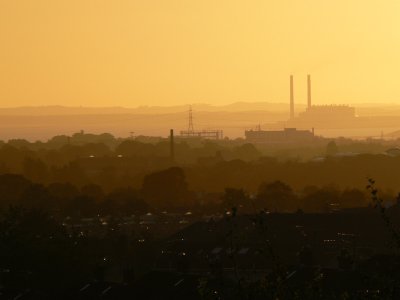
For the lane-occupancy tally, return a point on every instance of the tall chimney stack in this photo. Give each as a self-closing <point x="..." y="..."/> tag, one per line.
<point x="172" y="145"/>
<point x="291" y="98"/>
<point x="309" y="90"/>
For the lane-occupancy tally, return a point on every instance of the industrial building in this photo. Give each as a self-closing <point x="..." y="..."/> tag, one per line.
<point x="314" y="116"/>
<point x="323" y="113"/>
<point x="318" y="114"/>
<point x="287" y="135"/>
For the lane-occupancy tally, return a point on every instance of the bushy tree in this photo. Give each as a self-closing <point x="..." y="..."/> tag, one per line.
<point x="353" y="198"/>
<point x="320" y="200"/>
<point x="235" y="198"/>
<point x="124" y="201"/>
<point x="276" y="196"/>
<point x="166" y="189"/>
<point x="331" y="148"/>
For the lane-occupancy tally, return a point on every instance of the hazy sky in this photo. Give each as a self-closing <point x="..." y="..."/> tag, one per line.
<point x="162" y="52"/>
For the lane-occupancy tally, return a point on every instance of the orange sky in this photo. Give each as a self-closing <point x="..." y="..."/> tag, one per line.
<point x="164" y="52"/>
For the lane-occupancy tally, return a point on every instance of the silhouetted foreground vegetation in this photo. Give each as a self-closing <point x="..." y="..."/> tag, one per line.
<point x="167" y="191"/>
<point x="82" y="221"/>
<point x="209" y="166"/>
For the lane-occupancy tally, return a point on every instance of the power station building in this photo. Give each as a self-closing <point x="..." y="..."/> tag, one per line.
<point x="318" y="114"/>
<point x="315" y="116"/>
<point x="287" y="135"/>
<point x="322" y="114"/>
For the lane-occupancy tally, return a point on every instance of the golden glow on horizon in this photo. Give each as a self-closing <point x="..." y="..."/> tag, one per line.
<point x="165" y="52"/>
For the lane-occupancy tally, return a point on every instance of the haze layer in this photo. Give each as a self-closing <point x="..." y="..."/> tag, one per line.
<point x="165" y="52"/>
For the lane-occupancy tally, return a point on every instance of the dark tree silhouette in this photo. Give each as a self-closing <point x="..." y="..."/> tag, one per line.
<point x="276" y="196"/>
<point x="331" y="148"/>
<point x="124" y="201"/>
<point x="320" y="200"/>
<point x="235" y="198"/>
<point x="165" y="189"/>
<point x="353" y="198"/>
<point x="11" y="188"/>
<point x="36" y="196"/>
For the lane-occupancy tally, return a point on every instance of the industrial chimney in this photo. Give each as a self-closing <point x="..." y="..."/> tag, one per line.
<point x="309" y="91"/>
<point x="172" y="145"/>
<point x="291" y="98"/>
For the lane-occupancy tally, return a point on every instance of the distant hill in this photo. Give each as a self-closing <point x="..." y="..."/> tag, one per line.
<point x="362" y="109"/>
<point x="394" y="134"/>
<point x="65" y="110"/>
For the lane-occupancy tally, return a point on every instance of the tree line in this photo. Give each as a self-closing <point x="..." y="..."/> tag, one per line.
<point x="167" y="190"/>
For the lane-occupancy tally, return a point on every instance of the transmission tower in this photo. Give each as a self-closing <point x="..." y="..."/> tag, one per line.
<point x="190" y="129"/>
<point x="206" y="134"/>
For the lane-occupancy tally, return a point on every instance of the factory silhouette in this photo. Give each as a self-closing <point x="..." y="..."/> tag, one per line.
<point x="314" y="116"/>
<point x="295" y="129"/>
